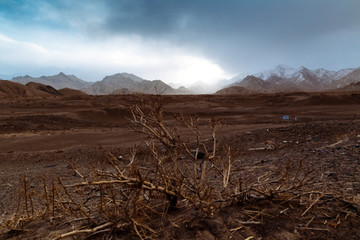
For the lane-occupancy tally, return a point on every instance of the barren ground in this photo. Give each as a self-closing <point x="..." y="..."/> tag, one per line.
<point x="52" y="137"/>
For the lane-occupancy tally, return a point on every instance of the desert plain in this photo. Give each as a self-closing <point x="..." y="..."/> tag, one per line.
<point x="43" y="139"/>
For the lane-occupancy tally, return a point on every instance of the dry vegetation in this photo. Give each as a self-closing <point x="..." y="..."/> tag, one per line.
<point x="180" y="186"/>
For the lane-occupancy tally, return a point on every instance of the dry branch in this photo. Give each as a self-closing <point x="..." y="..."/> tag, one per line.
<point x="89" y="230"/>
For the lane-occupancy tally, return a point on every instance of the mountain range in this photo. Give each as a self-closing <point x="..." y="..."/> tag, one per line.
<point x="10" y="89"/>
<point x="284" y="78"/>
<point x="129" y="83"/>
<point x="57" y="81"/>
<point x="279" y="79"/>
<point x="121" y="83"/>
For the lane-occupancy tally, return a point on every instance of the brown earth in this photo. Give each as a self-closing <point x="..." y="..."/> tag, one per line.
<point x="235" y="90"/>
<point x="51" y="137"/>
<point x="13" y="90"/>
<point x="43" y="88"/>
<point x="71" y="92"/>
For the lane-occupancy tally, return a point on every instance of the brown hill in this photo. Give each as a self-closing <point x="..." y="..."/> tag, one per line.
<point x="255" y="84"/>
<point x="13" y="90"/>
<point x="71" y="92"/>
<point x="235" y="90"/>
<point x="44" y="88"/>
<point x="10" y="89"/>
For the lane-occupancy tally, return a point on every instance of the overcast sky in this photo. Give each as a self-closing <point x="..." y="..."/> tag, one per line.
<point x="179" y="41"/>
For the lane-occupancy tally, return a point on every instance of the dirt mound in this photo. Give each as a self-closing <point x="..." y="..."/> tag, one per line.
<point x="11" y="89"/>
<point x="15" y="90"/>
<point x="71" y="92"/>
<point x="44" y="88"/>
<point x="235" y="90"/>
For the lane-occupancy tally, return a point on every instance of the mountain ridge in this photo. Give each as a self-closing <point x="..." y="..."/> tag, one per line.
<point x="58" y="81"/>
<point x="124" y="83"/>
<point x="284" y="78"/>
<point x="111" y="84"/>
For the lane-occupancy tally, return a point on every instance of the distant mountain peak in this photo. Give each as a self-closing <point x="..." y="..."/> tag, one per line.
<point x="283" y="78"/>
<point x="117" y="83"/>
<point x="251" y="77"/>
<point x="282" y="71"/>
<point x="253" y="83"/>
<point x="61" y="74"/>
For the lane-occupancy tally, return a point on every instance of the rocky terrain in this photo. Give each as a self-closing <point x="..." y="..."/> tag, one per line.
<point x="291" y="178"/>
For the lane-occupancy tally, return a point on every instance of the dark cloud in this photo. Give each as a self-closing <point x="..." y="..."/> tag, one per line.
<point x="266" y="18"/>
<point x="233" y="33"/>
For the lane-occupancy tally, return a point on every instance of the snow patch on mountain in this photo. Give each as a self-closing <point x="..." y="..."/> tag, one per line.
<point x="282" y="71"/>
<point x="284" y="78"/>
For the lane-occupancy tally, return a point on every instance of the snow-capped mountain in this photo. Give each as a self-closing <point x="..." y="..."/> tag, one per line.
<point x="352" y="77"/>
<point x="284" y="78"/>
<point x="282" y="71"/>
<point x="332" y="75"/>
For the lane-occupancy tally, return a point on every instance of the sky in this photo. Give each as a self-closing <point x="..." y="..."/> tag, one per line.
<point x="177" y="41"/>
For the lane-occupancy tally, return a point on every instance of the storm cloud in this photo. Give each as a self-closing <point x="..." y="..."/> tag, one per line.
<point x="236" y="32"/>
<point x="238" y="36"/>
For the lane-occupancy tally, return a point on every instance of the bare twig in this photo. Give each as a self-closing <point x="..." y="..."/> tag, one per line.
<point x="312" y="204"/>
<point x="89" y="230"/>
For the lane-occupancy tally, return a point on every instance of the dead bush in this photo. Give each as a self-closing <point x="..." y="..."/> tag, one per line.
<point x="179" y="170"/>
